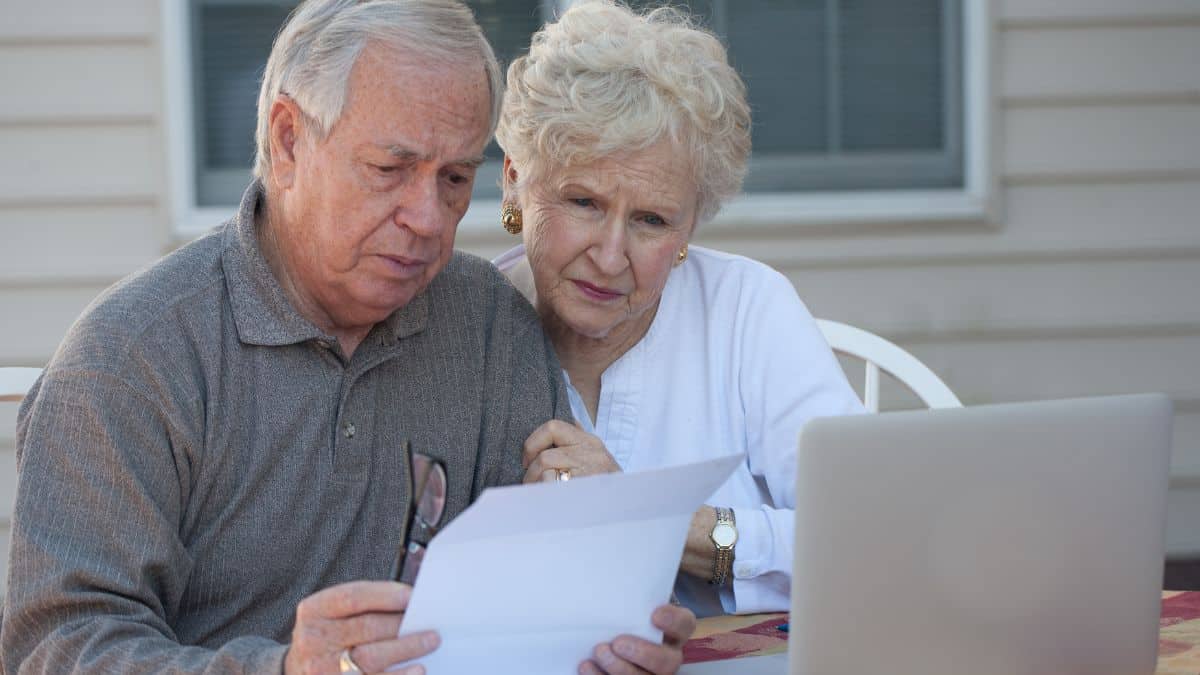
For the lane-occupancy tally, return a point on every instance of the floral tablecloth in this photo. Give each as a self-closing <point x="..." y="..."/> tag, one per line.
<point x="729" y="637"/>
<point x="1179" y="634"/>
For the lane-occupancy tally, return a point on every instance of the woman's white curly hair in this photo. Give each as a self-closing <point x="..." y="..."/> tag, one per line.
<point x="604" y="79"/>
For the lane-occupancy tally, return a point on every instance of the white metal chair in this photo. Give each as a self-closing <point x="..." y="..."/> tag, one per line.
<point x="14" y="382"/>
<point x="880" y="354"/>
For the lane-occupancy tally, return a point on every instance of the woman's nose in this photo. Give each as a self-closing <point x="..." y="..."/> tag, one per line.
<point x="609" y="252"/>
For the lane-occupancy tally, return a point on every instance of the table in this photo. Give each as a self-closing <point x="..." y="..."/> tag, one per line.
<point x="719" y="639"/>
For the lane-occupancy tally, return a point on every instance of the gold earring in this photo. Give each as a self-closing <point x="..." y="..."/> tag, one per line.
<point x="510" y="217"/>
<point x="682" y="255"/>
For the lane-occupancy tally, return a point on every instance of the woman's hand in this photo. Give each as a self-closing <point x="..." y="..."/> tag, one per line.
<point x="559" y="446"/>
<point x="635" y="656"/>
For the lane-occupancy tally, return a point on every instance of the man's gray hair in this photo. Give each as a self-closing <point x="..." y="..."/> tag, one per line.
<point x="317" y="48"/>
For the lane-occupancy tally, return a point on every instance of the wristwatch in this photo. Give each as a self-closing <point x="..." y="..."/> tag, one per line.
<point x="724" y="536"/>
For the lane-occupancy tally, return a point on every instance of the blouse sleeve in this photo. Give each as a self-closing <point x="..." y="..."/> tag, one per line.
<point x="788" y="375"/>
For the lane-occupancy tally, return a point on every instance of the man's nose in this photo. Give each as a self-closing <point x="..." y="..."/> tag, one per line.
<point x="419" y="207"/>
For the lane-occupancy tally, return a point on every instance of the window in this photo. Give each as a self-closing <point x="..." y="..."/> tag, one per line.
<point x="231" y="40"/>
<point x="230" y="43"/>
<point x="859" y="105"/>
<point x="847" y="94"/>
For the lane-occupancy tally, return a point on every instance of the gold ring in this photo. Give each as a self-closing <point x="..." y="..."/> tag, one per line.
<point x="346" y="665"/>
<point x="563" y="474"/>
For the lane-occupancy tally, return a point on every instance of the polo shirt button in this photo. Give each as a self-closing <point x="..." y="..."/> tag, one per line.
<point x="743" y="570"/>
<point x="348" y="430"/>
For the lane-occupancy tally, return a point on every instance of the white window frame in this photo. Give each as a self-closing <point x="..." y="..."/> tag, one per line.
<point x="972" y="203"/>
<point x="188" y="218"/>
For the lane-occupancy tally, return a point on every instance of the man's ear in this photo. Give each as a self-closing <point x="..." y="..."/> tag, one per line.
<point x="284" y="127"/>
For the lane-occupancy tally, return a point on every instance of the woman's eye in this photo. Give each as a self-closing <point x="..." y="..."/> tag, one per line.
<point x="582" y="201"/>
<point x="652" y="219"/>
<point x="383" y="168"/>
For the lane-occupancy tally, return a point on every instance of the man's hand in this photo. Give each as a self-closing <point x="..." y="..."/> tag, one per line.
<point x="558" y="445"/>
<point x="362" y="616"/>
<point x="628" y="654"/>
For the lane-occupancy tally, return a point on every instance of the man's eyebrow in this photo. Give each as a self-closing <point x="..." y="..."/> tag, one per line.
<point x="402" y="153"/>
<point x="471" y="162"/>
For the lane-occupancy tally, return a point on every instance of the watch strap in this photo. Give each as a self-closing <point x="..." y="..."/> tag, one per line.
<point x="723" y="562"/>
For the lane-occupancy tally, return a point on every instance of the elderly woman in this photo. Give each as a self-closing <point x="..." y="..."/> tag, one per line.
<point x="622" y="133"/>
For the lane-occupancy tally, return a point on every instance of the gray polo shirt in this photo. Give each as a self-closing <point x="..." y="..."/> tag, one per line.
<point x="198" y="457"/>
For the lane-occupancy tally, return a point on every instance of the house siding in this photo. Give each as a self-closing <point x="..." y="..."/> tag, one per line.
<point x="1084" y="282"/>
<point x="82" y="194"/>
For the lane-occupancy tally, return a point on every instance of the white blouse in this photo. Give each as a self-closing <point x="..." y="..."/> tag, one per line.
<point x="733" y="362"/>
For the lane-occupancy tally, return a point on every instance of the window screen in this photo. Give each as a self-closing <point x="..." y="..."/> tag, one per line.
<point x="846" y="94"/>
<point x="230" y="43"/>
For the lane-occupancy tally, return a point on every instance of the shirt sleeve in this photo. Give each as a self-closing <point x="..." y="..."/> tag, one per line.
<point x="97" y="565"/>
<point x="788" y="375"/>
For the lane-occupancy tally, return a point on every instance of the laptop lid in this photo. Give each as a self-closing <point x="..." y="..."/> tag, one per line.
<point x="992" y="540"/>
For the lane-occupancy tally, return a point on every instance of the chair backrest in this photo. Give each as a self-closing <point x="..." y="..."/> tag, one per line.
<point x="14" y="382"/>
<point x="880" y="354"/>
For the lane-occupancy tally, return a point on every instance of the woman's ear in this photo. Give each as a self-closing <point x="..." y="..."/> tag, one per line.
<point x="508" y="177"/>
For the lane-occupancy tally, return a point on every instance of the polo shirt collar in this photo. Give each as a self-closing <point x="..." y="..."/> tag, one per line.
<point x="261" y="310"/>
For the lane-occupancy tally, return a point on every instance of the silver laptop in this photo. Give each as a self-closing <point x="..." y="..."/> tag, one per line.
<point x="1022" y="539"/>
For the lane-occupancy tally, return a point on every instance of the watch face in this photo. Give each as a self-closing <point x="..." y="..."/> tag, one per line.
<point x="724" y="535"/>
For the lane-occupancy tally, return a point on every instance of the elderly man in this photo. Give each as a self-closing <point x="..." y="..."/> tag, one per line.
<point x="217" y="456"/>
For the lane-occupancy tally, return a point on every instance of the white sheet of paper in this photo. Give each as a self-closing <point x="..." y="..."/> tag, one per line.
<point x="531" y="578"/>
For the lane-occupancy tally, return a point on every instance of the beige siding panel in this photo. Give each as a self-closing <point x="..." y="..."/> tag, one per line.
<point x="1095" y="10"/>
<point x="8" y="425"/>
<point x="80" y="163"/>
<point x="88" y="82"/>
<point x="985" y="371"/>
<point x="1185" y="443"/>
<point x="78" y="242"/>
<point x="1006" y="298"/>
<point x="1185" y="447"/>
<point x="87" y="19"/>
<point x="8" y="483"/>
<point x="1097" y="141"/>
<point x="8" y="465"/>
<point x="1082" y="220"/>
<point x="5" y="541"/>
<point x="1119" y="215"/>
<point x="1183" y="525"/>
<point x="7" y="436"/>
<point x="893" y="395"/>
<point x="46" y="314"/>
<point x="1102" y="62"/>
